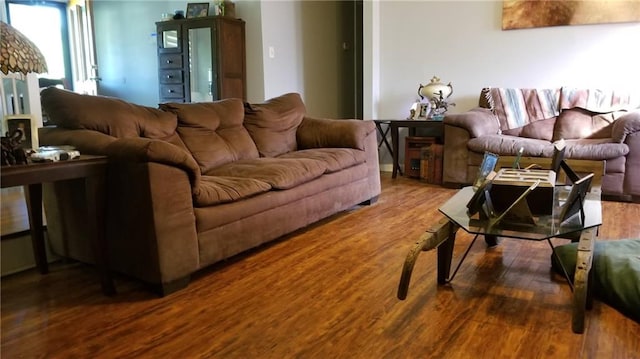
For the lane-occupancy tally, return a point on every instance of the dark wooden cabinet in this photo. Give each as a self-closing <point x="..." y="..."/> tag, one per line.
<point x="201" y="59"/>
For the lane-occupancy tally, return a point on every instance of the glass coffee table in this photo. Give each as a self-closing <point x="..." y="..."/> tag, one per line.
<point x="442" y="236"/>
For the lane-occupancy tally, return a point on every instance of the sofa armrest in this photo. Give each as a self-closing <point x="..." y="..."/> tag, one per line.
<point x="135" y="149"/>
<point x="625" y="126"/>
<point x="478" y="121"/>
<point x="318" y="133"/>
<point x="152" y="226"/>
<point x="86" y="141"/>
<point x="140" y="149"/>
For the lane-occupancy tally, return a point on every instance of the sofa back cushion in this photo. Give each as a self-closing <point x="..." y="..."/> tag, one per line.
<point x="273" y="124"/>
<point x="580" y="123"/>
<point x="213" y="131"/>
<point x="540" y="130"/>
<point x="108" y="115"/>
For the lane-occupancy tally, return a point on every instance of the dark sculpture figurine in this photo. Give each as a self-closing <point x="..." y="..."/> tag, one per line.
<point x="12" y="154"/>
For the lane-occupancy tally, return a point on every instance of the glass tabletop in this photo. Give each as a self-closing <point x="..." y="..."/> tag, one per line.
<point x="547" y="226"/>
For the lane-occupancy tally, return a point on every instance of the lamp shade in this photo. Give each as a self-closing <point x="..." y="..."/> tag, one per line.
<point x="19" y="54"/>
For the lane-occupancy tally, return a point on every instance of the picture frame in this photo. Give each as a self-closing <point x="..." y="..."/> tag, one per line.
<point x="419" y="110"/>
<point x="488" y="164"/>
<point x="575" y="201"/>
<point x="23" y="123"/>
<point x="197" y="9"/>
<point x="479" y="198"/>
<point x="425" y="109"/>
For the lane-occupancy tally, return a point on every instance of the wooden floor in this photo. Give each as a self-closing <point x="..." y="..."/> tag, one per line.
<point x="329" y="292"/>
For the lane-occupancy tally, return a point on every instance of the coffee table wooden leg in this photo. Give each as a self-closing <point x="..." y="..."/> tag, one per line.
<point x="432" y="238"/>
<point x="491" y="240"/>
<point x="33" y="196"/>
<point x="445" y="255"/>
<point x="581" y="292"/>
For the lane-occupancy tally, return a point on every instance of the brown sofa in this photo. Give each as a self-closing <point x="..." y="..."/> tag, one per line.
<point x="596" y="125"/>
<point x="193" y="184"/>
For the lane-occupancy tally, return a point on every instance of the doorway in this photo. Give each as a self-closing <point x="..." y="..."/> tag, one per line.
<point x="351" y="80"/>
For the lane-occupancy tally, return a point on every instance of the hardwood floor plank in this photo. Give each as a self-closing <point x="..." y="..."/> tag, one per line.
<point x="329" y="291"/>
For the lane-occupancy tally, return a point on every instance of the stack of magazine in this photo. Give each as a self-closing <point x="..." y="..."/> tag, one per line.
<point x="54" y="154"/>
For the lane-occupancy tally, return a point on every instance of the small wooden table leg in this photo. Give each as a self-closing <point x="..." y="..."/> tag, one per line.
<point x="445" y="255"/>
<point x="581" y="291"/>
<point x="395" y="141"/>
<point x="33" y="196"/>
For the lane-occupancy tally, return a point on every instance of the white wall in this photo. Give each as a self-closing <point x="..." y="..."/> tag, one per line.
<point x="251" y="12"/>
<point x="302" y="34"/>
<point x="281" y="32"/>
<point x="462" y="42"/>
<point x="303" y="38"/>
<point x="126" y="47"/>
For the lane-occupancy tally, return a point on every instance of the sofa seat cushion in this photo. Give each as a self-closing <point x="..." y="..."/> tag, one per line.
<point x="273" y="124"/>
<point x="509" y="145"/>
<point x="280" y="173"/>
<point x="214" y="190"/>
<point x="212" y="217"/>
<point x="336" y="159"/>
<point x="108" y="115"/>
<point x="595" y="149"/>
<point x="213" y="131"/>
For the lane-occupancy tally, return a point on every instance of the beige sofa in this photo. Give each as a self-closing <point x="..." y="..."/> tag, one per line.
<point x="193" y="184"/>
<point x="596" y="125"/>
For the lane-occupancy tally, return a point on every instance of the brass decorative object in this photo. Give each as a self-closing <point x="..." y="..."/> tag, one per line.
<point x="19" y="54"/>
<point x="436" y="93"/>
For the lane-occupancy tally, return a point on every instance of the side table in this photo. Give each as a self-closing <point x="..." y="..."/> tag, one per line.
<point x="383" y="136"/>
<point x="93" y="170"/>
<point x="412" y="125"/>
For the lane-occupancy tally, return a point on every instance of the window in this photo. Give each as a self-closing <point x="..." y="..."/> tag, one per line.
<point x="30" y="18"/>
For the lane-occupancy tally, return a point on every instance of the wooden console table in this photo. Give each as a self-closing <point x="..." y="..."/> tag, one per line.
<point x="93" y="170"/>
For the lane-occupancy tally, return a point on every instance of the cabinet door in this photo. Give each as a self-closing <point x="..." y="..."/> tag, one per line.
<point x="199" y="76"/>
<point x="206" y="56"/>
<point x="169" y="37"/>
<point x="231" y="58"/>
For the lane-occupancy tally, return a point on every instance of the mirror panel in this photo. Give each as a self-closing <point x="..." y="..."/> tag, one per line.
<point x="200" y="61"/>
<point x="170" y="39"/>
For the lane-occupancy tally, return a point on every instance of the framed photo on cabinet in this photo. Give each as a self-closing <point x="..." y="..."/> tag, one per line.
<point x="197" y="9"/>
